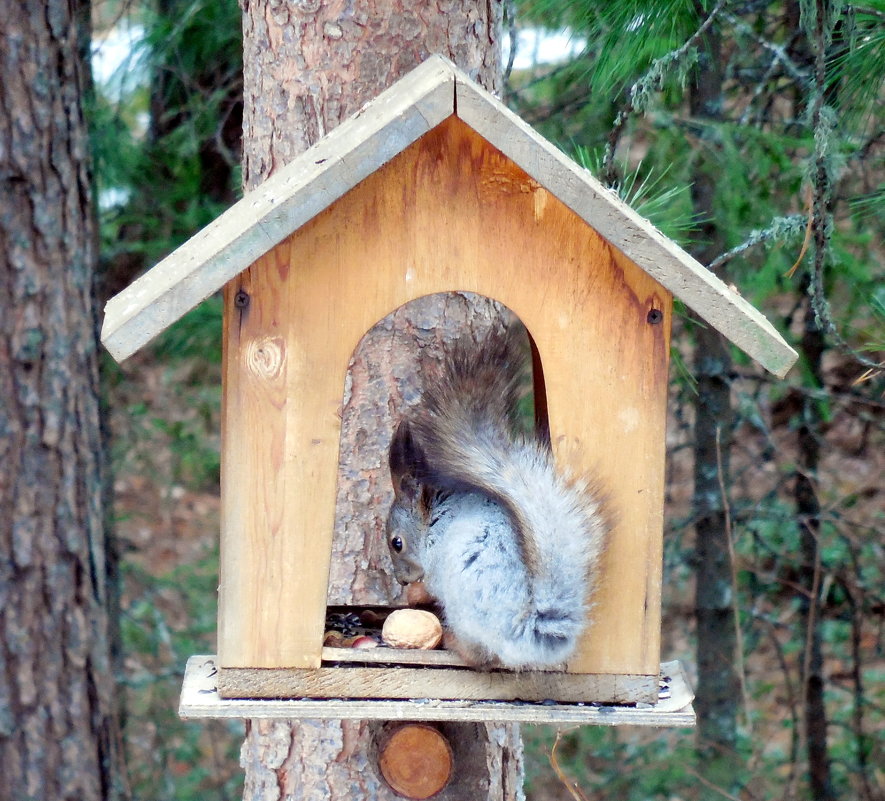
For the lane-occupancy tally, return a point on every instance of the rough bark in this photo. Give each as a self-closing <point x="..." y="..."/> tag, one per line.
<point x="338" y="761"/>
<point x="812" y="347"/>
<point x="718" y="689"/>
<point x="307" y="66"/>
<point x="58" y="732"/>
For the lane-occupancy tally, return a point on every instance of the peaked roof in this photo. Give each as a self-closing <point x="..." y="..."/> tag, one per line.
<point x="355" y="149"/>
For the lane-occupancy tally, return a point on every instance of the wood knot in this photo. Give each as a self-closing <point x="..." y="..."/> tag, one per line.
<point x="265" y="357"/>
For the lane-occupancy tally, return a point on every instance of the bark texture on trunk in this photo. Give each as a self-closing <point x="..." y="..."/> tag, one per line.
<point x="338" y="761"/>
<point x="307" y="67"/>
<point x="309" y="64"/>
<point x="58" y="731"/>
<point x="813" y="346"/>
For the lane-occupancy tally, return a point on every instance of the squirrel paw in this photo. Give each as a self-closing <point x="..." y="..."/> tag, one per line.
<point x="473" y="653"/>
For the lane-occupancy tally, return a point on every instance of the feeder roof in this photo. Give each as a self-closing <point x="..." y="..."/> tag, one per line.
<point x="358" y="147"/>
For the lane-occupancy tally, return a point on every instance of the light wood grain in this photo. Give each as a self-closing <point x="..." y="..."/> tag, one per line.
<point x="399" y="656"/>
<point x="200" y="699"/>
<point x="449" y="213"/>
<point x="433" y="682"/>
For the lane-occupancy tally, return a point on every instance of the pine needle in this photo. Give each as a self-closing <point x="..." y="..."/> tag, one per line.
<point x="572" y="786"/>
<point x="807" y="241"/>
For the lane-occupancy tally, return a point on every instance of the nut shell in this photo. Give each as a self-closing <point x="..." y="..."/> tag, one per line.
<point x="335" y="639"/>
<point x="412" y="628"/>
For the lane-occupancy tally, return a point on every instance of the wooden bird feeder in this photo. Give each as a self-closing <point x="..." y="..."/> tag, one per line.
<point x="435" y="186"/>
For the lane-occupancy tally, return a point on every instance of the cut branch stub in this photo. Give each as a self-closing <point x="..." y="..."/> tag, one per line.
<point x="415" y="760"/>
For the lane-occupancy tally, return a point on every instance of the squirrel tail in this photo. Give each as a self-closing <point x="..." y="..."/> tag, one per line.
<point x="465" y="430"/>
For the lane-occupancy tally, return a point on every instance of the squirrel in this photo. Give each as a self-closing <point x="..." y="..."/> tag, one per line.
<point x="507" y="546"/>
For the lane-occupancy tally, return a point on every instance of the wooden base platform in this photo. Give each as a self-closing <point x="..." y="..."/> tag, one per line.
<point x="401" y="674"/>
<point x="200" y="699"/>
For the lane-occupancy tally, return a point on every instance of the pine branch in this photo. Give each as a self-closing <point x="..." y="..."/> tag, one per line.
<point x="823" y="119"/>
<point x="781" y="229"/>
<point x="779" y="53"/>
<point x="640" y="92"/>
<point x="779" y="57"/>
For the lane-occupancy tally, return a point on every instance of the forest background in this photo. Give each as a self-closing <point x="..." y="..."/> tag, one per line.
<point x="752" y="133"/>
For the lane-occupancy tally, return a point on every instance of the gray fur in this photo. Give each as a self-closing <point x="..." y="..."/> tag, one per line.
<point x="508" y="547"/>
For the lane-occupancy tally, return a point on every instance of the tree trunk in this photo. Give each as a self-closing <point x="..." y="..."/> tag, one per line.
<point x="824" y="45"/>
<point x="808" y="512"/>
<point x="59" y="735"/>
<point x="718" y="691"/>
<point x="307" y="67"/>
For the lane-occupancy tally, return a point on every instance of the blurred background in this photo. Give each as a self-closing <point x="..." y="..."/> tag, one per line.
<point x="769" y="168"/>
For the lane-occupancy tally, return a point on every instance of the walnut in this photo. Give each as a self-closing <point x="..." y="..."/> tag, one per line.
<point x="412" y="628"/>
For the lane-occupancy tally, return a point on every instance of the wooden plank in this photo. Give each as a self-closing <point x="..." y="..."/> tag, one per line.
<point x="632" y="234"/>
<point x="264" y="217"/>
<point x="471" y="220"/>
<point x="431" y="682"/>
<point x="200" y="699"/>
<point x="400" y="656"/>
<point x="276" y="539"/>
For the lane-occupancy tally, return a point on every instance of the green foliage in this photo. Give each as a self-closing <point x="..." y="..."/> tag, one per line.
<point x="167" y="145"/>
<point x="165" y="135"/>
<point x="168" y="619"/>
<point x="648" y="192"/>
<point x="165" y="460"/>
<point x="632" y="765"/>
<point x="862" y="55"/>
<point x="625" y="37"/>
<point x="188" y="440"/>
<point x="764" y="147"/>
<point x="195" y="338"/>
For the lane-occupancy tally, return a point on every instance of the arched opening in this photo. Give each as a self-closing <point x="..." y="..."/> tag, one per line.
<point x="384" y="378"/>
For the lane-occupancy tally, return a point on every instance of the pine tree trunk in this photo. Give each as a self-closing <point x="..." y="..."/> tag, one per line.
<point x="718" y="690"/>
<point x="307" y="67"/>
<point x="58" y="731"/>
<point x="808" y="511"/>
<point x="821" y="49"/>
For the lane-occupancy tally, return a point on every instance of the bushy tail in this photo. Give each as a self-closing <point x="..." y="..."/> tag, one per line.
<point x="467" y="419"/>
<point x="465" y="430"/>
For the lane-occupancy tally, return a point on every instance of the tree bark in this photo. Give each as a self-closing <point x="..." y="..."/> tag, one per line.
<point x="808" y="512"/>
<point x="718" y="688"/>
<point x="59" y="735"/>
<point x="309" y="65"/>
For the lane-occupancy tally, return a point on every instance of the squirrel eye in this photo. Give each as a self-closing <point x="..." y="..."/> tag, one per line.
<point x="396" y="543"/>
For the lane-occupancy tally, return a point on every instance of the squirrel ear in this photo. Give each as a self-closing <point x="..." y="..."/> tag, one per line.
<point x="406" y="461"/>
